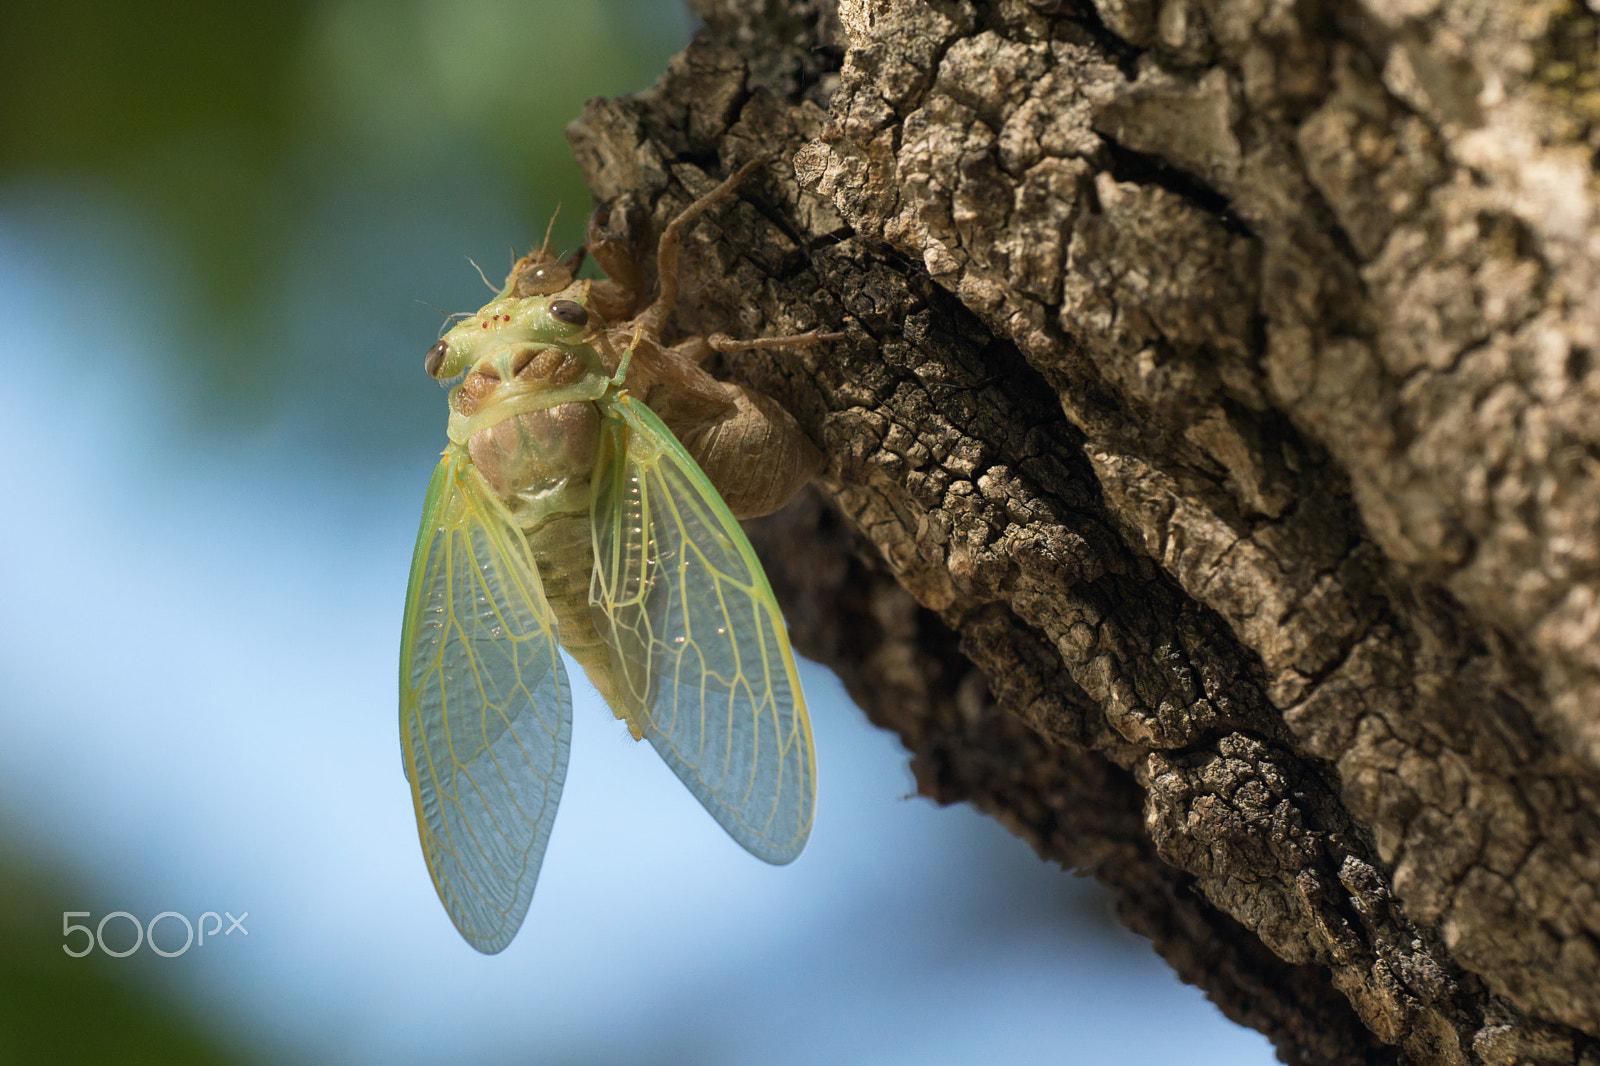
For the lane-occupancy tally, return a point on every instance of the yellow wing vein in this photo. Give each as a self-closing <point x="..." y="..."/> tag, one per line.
<point x="686" y="604"/>
<point x="485" y="712"/>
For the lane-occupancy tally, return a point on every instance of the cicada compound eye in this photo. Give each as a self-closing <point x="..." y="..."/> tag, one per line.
<point x="569" y="311"/>
<point x="435" y="358"/>
<point x="543" y="277"/>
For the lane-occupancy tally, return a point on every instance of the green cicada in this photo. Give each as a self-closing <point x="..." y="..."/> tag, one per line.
<point x="566" y="514"/>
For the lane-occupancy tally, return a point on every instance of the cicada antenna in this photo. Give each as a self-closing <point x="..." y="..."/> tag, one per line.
<point x="482" y="275"/>
<point x="453" y="315"/>
<point x="544" y="246"/>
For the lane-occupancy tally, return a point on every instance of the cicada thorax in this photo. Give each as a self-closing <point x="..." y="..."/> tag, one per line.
<point x="540" y="464"/>
<point x="522" y="455"/>
<point x="528" y="457"/>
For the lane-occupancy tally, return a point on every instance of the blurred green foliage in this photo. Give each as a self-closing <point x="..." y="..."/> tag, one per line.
<point x="58" y="1009"/>
<point x="227" y="128"/>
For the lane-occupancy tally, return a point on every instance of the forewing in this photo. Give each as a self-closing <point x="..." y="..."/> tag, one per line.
<point x="698" y="646"/>
<point x="485" y="710"/>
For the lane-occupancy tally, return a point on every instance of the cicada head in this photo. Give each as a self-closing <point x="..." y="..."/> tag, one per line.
<point x="544" y="273"/>
<point x="502" y="327"/>
<point x="541" y="273"/>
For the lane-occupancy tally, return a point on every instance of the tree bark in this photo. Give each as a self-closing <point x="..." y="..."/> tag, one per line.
<point x="1213" y="487"/>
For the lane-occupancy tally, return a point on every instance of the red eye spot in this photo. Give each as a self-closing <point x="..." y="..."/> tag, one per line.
<point x="486" y="325"/>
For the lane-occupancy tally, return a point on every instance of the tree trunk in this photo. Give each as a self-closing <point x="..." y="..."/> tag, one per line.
<point x="1213" y="488"/>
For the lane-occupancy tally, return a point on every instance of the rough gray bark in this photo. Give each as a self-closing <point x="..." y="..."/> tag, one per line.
<point x="1214" y="462"/>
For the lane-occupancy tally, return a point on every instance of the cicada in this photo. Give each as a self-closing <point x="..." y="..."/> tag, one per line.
<point x="565" y="513"/>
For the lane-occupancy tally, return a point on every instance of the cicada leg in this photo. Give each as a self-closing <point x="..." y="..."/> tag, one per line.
<point x="723" y="343"/>
<point x="671" y="244"/>
<point x="616" y="296"/>
<point x="720" y="424"/>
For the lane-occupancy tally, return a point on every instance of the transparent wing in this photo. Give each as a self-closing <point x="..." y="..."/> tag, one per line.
<point x="698" y="647"/>
<point x="485" y="710"/>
